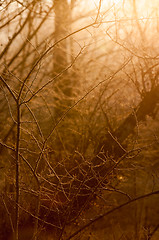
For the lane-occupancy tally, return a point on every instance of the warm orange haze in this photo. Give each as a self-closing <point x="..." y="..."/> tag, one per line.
<point x="79" y="113"/>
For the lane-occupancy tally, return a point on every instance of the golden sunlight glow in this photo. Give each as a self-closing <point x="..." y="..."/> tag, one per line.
<point x="141" y="8"/>
<point x="104" y="2"/>
<point x="115" y="1"/>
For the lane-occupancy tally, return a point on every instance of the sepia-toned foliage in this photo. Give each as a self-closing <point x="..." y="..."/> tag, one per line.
<point x="79" y="95"/>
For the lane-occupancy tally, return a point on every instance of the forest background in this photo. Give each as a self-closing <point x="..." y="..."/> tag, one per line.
<point x="79" y="98"/>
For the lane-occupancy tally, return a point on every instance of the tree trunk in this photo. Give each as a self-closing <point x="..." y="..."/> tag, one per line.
<point x="61" y="57"/>
<point x="61" y="9"/>
<point x="113" y="142"/>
